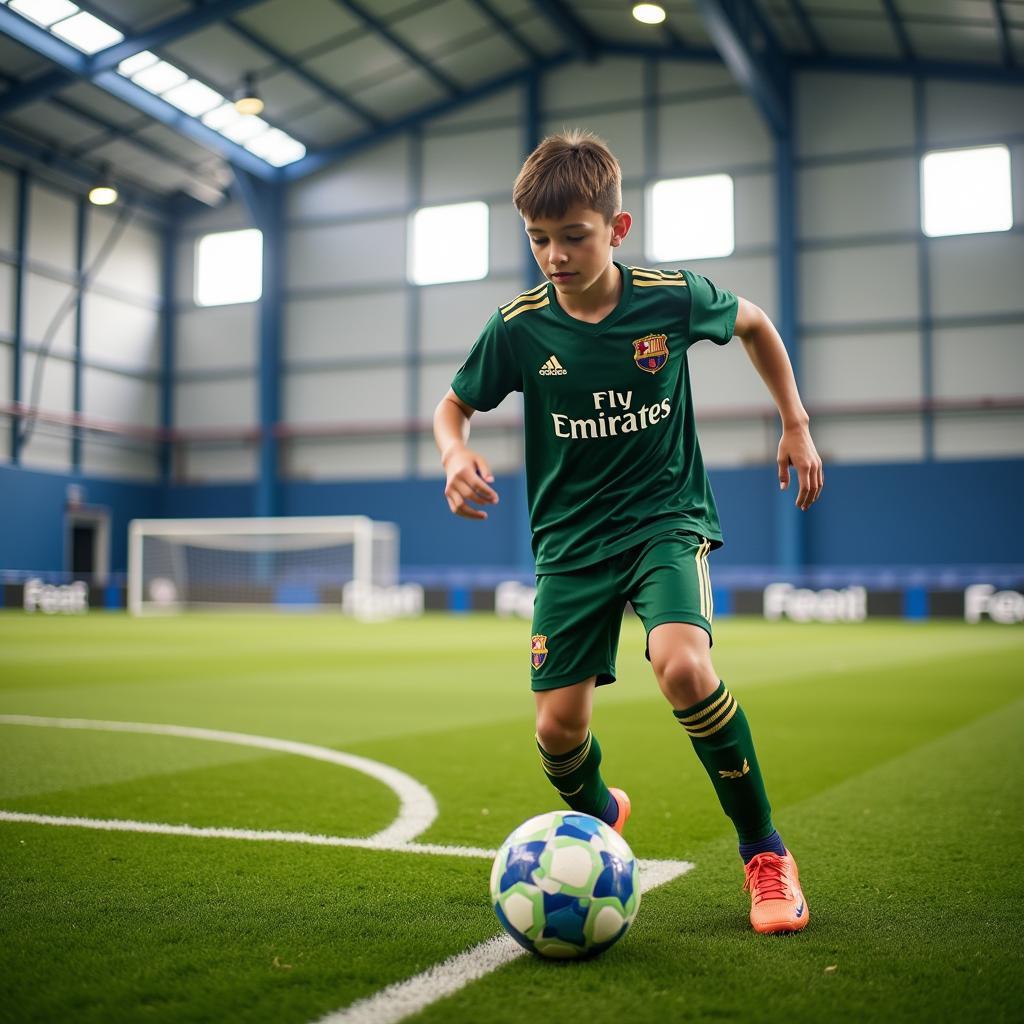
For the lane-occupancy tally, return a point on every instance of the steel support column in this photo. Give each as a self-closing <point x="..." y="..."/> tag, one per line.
<point x="169" y="288"/>
<point x="18" y="348"/>
<point x="414" y="311"/>
<point x="81" y="226"/>
<point x="265" y="204"/>
<point x="924" y="278"/>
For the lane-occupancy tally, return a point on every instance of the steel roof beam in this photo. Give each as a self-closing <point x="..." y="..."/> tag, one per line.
<point x="899" y="30"/>
<point x="449" y="85"/>
<point x="108" y="59"/>
<point x="1002" y="32"/>
<point x="807" y="26"/>
<point x="509" y="29"/>
<point x="970" y="72"/>
<point x="580" y="40"/>
<point x="749" y="49"/>
<point x="318" y="83"/>
<point x="77" y="64"/>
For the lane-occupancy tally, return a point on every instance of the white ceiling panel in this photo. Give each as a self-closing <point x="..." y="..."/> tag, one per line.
<point x="321" y="20"/>
<point x="971" y="42"/>
<point x="217" y="56"/>
<point x="492" y="56"/>
<point x="324" y="126"/>
<point x="355" y="62"/>
<point x="435" y="29"/>
<point x="401" y="94"/>
<point x="44" y="117"/>
<point x="138" y="14"/>
<point x="860" y="37"/>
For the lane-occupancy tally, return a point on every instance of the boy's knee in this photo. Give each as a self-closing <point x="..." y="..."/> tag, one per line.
<point x="561" y="730"/>
<point x="686" y="676"/>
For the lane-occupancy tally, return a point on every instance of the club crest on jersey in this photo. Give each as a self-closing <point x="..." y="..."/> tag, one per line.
<point x="650" y="353"/>
<point x="538" y="650"/>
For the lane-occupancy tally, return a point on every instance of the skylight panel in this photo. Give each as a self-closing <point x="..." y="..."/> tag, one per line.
<point x="193" y="97"/>
<point x="44" y="12"/>
<point x="276" y="147"/>
<point x="160" y="77"/>
<point x="136" y="62"/>
<point x="449" y="243"/>
<point x="229" y="267"/>
<point x="221" y="116"/>
<point x="245" y="128"/>
<point x="690" y="218"/>
<point x="966" y="191"/>
<point x="87" y="32"/>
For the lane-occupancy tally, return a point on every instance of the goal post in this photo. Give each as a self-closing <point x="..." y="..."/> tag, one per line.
<point x="348" y="563"/>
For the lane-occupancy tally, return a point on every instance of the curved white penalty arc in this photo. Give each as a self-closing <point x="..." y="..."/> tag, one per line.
<point x="417" y="807"/>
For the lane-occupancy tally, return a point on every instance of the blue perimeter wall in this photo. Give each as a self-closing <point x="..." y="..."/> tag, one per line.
<point x="923" y="514"/>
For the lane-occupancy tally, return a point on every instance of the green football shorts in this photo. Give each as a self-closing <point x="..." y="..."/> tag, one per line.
<point x="577" y="615"/>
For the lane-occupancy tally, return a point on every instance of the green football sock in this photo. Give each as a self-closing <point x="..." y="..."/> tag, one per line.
<point x="577" y="777"/>
<point x="719" y="732"/>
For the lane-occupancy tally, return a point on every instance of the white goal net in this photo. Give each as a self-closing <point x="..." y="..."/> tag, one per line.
<point x="348" y="563"/>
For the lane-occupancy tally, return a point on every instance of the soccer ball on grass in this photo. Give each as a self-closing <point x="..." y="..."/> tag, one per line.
<point x="565" y="885"/>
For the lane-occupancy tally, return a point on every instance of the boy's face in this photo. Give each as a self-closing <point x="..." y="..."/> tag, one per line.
<point x="574" y="251"/>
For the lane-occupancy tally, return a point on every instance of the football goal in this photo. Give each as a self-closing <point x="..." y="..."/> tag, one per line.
<point x="349" y="563"/>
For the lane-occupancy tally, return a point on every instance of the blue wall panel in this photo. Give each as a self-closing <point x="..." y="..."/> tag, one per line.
<point x="32" y="508"/>
<point x="925" y="514"/>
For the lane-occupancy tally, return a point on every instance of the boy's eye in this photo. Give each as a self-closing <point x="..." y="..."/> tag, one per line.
<point x="537" y="241"/>
<point x="574" y="238"/>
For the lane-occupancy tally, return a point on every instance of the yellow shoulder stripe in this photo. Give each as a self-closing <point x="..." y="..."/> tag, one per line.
<point x="658" y="284"/>
<point x="661" y="275"/>
<point x="536" y="304"/>
<point x="525" y="296"/>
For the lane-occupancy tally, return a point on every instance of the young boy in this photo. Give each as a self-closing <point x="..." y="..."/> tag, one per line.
<point x="620" y="506"/>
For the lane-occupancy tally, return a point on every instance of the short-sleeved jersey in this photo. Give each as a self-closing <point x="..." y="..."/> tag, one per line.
<point x="611" y="445"/>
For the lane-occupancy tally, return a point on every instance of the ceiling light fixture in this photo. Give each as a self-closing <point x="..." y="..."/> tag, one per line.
<point x="649" y="14"/>
<point x="104" y="191"/>
<point x="247" y="100"/>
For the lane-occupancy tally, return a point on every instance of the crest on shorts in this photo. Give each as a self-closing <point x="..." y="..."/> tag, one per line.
<point x="538" y="650"/>
<point x="650" y="353"/>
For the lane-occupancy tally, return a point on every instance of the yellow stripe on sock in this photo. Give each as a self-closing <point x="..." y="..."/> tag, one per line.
<point x="711" y="708"/>
<point x="573" y="793"/>
<point x="720" y="724"/>
<point x="559" y="768"/>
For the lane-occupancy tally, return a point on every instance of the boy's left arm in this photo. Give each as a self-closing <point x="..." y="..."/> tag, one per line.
<point x="766" y="351"/>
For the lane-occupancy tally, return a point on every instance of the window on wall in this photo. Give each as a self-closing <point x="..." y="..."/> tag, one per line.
<point x="964" y="191"/>
<point x="229" y="267"/>
<point x="449" y="243"/>
<point x="690" y="218"/>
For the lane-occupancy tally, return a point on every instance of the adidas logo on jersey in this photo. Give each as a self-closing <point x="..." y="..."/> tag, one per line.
<point x="553" y="368"/>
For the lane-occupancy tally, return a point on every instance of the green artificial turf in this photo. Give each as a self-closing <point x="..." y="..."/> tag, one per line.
<point x="892" y="753"/>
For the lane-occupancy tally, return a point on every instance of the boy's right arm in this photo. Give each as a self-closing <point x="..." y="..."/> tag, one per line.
<point x="468" y="475"/>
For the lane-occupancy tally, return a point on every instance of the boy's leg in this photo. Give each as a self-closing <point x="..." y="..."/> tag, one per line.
<point x="569" y="751"/>
<point x="717" y="727"/>
<point x="671" y="593"/>
<point x="576" y="622"/>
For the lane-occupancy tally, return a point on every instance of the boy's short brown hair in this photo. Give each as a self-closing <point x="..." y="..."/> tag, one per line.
<point x="568" y="168"/>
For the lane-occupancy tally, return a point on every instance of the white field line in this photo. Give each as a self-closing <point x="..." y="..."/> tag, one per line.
<point x="404" y="998"/>
<point x="418" y="810"/>
<point x="417" y="807"/>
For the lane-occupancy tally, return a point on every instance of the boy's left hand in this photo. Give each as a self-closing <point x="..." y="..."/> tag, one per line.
<point x="796" y="449"/>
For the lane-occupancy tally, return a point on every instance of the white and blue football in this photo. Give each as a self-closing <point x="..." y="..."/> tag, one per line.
<point x="565" y="885"/>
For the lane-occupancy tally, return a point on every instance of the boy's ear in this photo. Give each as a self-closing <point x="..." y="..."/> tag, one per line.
<point x="621" y="223"/>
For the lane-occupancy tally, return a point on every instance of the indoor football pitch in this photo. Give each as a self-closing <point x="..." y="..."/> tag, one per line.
<point x="306" y="835"/>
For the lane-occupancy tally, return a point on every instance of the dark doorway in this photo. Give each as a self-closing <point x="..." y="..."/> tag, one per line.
<point x="83" y="549"/>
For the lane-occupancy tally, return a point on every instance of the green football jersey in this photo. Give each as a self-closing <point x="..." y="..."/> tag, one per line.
<point x="611" y="445"/>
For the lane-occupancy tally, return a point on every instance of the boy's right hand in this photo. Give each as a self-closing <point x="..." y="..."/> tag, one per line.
<point x="468" y="484"/>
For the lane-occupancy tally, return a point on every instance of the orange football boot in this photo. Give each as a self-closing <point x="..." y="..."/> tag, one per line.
<point x="777" y="902"/>
<point x="623" y="801"/>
